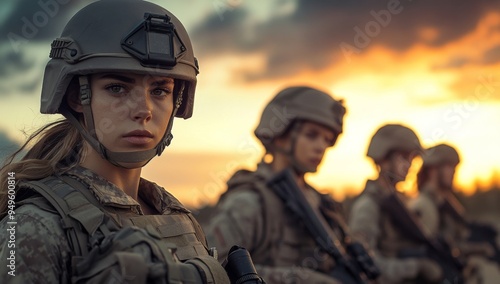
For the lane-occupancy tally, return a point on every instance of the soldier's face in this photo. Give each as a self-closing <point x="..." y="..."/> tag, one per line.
<point x="131" y="111"/>
<point x="446" y="175"/>
<point x="312" y="141"/>
<point x="400" y="164"/>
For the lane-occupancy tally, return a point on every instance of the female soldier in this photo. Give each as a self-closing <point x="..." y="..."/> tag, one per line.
<point x="392" y="148"/>
<point x="444" y="216"/>
<point x="296" y="128"/>
<point x="120" y="72"/>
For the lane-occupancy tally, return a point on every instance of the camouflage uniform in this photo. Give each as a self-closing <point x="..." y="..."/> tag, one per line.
<point x="428" y="207"/>
<point x="370" y="224"/>
<point x="251" y="215"/>
<point x="129" y="37"/>
<point x="43" y="253"/>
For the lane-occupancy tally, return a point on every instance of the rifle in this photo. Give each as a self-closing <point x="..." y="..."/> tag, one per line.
<point x="434" y="249"/>
<point x="347" y="270"/>
<point x="479" y="233"/>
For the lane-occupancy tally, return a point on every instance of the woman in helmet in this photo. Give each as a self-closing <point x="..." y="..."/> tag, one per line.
<point x="119" y="74"/>
<point x="444" y="217"/>
<point x="435" y="181"/>
<point x="392" y="148"/>
<point x="296" y="128"/>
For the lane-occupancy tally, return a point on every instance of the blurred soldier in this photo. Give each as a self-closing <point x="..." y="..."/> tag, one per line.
<point x="443" y="215"/>
<point x="392" y="148"/>
<point x="296" y="128"/>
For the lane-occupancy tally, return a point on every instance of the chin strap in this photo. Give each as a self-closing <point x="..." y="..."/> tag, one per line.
<point x="117" y="158"/>
<point x="441" y="183"/>
<point x="390" y="176"/>
<point x="297" y="167"/>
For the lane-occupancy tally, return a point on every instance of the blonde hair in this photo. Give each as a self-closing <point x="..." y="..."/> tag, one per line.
<point x="57" y="148"/>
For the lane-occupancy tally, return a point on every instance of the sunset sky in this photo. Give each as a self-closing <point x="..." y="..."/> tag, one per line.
<point x="431" y="65"/>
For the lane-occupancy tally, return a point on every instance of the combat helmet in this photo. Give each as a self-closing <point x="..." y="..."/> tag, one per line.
<point x="299" y="103"/>
<point x="393" y="137"/>
<point x="439" y="155"/>
<point x="131" y="36"/>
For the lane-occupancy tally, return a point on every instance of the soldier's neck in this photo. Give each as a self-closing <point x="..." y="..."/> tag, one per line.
<point x="125" y="179"/>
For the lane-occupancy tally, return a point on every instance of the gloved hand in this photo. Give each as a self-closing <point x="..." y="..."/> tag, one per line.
<point x="483" y="248"/>
<point x="429" y="270"/>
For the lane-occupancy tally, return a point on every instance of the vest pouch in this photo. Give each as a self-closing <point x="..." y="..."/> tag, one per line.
<point x="130" y="255"/>
<point x="177" y="229"/>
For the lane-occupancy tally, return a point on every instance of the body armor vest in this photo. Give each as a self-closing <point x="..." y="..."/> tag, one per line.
<point x="286" y="241"/>
<point x="391" y="240"/>
<point x="85" y="220"/>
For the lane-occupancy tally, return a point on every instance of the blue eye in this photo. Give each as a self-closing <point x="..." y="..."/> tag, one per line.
<point x="116" y="88"/>
<point x="161" y="92"/>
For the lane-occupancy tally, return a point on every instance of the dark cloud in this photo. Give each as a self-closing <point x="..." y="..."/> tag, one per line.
<point x="20" y="72"/>
<point x="22" y="24"/>
<point x="13" y="62"/>
<point x="7" y="146"/>
<point x="492" y="56"/>
<point x="35" y="20"/>
<point x="311" y="36"/>
<point x="454" y="63"/>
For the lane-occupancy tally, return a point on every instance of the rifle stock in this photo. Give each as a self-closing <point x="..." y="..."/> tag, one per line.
<point x="434" y="249"/>
<point x="346" y="270"/>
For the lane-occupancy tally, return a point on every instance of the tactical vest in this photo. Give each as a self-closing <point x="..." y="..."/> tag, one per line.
<point x="451" y="217"/>
<point x="286" y="241"/>
<point x="391" y="239"/>
<point x="84" y="218"/>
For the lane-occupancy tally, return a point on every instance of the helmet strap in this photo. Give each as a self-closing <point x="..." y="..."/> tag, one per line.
<point x="117" y="158"/>
<point x="298" y="167"/>
<point x="440" y="176"/>
<point x="388" y="172"/>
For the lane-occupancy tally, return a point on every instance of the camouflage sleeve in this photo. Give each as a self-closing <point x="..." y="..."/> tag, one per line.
<point x="364" y="225"/>
<point x="427" y="212"/>
<point x="238" y="221"/>
<point x="364" y="221"/>
<point x="36" y="251"/>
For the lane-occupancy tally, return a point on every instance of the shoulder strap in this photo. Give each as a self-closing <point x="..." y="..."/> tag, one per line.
<point x="79" y="211"/>
<point x="198" y="231"/>
<point x="77" y="237"/>
<point x="333" y="213"/>
<point x="371" y="191"/>
<point x="272" y="221"/>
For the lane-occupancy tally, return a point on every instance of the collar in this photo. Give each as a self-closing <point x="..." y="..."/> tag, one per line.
<point x="108" y="194"/>
<point x="434" y="193"/>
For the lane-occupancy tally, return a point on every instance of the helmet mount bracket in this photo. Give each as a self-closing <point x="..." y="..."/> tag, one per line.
<point x="152" y="42"/>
